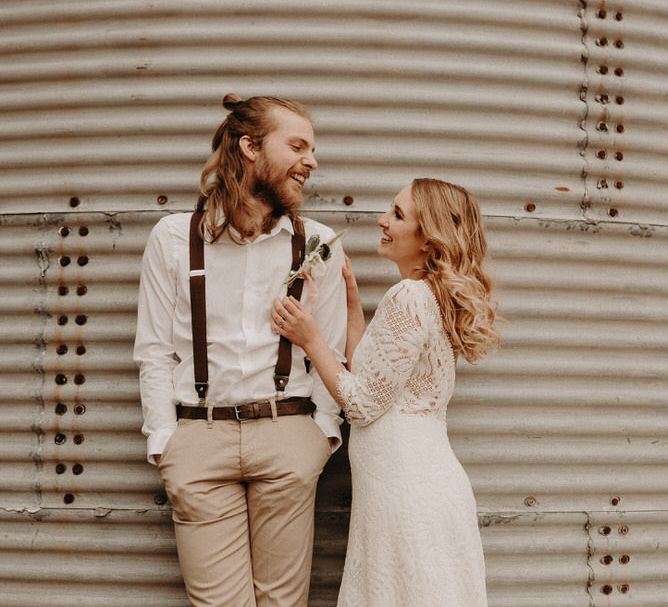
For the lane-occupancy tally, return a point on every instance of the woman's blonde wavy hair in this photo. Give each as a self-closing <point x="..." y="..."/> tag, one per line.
<point x="450" y="222"/>
<point x="224" y="180"/>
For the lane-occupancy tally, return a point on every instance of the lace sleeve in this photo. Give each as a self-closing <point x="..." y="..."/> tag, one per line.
<point x="391" y="347"/>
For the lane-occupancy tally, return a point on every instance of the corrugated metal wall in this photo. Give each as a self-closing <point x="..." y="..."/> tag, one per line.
<point x="553" y="112"/>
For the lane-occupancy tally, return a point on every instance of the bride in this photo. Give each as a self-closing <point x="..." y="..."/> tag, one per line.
<point x="414" y="539"/>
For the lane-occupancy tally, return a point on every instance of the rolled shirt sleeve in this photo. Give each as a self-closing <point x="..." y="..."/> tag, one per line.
<point x="330" y="313"/>
<point x="154" y="348"/>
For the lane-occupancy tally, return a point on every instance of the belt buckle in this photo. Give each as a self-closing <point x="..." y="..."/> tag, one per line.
<point x="237" y="413"/>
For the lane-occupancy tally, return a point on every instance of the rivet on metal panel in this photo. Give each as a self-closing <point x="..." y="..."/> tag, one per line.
<point x="64" y="231"/>
<point x="619" y="72"/>
<point x="60" y="468"/>
<point x="62" y="320"/>
<point x="348" y="200"/>
<point x="602" y="126"/>
<point x="530" y="207"/>
<point x="602" y="154"/>
<point x="623" y="530"/>
<point x="530" y="501"/>
<point x="81" y="350"/>
<point x="68" y="498"/>
<point x="61" y="409"/>
<point x="613" y="212"/>
<point x="79" y="409"/>
<point x="624" y="559"/>
<point x="602" y="184"/>
<point x="82" y="290"/>
<point x="64" y="261"/>
<point x="607" y="589"/>
<point x="61" y="379"/>
<point x="601" y="13"/>
<point x="619" y="156"/>
<point x="620" y="128"/>
<point x="602" y="41"/>
<point x="619" y="43"/>
<point x="74" y="202"/>
<point x="81" y="319"/>
<point x="602" y="69"/>
<point x="623" y="588"/>
<point x="615" y="500"/>
<point x="77" y="469"/>
<point x="63" y="290"/>
<point x="60" y="439"/>
<point x="78" y="439"/>
<point x="61" y="349"/>
<point x="607" y="559"/>
<point x="162" y="199"/>
<point x="79" y="379"/>
<point x="619" y="16"/>
<point x="83" y="231"/>
<point x="619" y="100"/>
<point x="160" y="499"/>
<point x="605" y="530"/>
<point x="82" y="260"/>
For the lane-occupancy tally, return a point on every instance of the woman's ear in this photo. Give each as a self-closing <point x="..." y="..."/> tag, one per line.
<point x="247" y="148"/>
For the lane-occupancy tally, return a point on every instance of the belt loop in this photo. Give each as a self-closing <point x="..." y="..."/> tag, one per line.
<point x="209" y="415"/>
<point x="274" y="413"/>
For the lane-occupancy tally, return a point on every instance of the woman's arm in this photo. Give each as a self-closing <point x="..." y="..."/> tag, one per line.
<point x="289" y="318"/>
<point x="396" y="340"/>
<point x="356" y="324"/>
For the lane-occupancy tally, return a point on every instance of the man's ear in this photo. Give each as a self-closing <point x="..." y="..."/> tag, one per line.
<point x="247" y="148"/>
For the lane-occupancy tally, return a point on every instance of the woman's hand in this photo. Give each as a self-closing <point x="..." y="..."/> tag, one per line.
<point x="290" y="319"/>
<point x="356" y="322"/>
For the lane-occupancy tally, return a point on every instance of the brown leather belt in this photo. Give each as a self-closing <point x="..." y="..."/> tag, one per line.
<point x="288" y="406"/>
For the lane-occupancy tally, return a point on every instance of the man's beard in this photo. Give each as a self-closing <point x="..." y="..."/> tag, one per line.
<point x="273" y="189"/>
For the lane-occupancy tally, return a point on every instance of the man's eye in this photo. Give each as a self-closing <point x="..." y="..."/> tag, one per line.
<point x="296" y="148"/>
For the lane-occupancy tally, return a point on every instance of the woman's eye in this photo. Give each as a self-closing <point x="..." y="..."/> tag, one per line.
<point x="397" y="215"/>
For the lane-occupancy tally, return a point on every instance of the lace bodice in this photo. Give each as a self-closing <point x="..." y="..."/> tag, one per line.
<point x="404" y="358"/>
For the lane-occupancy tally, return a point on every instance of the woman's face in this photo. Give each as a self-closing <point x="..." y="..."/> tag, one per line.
<point x="400" y="242"/>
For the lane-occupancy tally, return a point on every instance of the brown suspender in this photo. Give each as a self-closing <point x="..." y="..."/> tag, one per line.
<point x="198" y="305"/>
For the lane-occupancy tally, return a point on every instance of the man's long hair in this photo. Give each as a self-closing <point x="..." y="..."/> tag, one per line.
<point x="225" y="181"/>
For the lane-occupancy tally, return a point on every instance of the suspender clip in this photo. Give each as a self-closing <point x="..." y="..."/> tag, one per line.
<point x="280" y="381"/>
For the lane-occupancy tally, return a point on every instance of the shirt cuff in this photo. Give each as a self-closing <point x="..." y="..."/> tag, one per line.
<point x="330" y="425"/>
<point x="156" y="442"/>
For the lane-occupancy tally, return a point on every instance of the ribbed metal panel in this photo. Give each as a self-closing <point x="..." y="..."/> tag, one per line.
<point x="397" y="89"/>
<point x="108" y="107"/>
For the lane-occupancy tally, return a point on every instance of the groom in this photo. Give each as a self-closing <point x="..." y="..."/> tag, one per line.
<point x="240" y="453"/>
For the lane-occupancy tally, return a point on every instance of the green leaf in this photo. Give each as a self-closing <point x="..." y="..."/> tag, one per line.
<point x="312" y="244"/>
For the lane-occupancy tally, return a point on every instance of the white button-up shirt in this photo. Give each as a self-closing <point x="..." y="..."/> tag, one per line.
<point x="242" y="281"/>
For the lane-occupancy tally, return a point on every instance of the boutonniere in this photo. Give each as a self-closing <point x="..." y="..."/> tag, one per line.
<point x="316" y="254"/>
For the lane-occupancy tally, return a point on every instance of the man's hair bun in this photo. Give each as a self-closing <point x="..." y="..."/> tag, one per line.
<point x="231" y="101"/>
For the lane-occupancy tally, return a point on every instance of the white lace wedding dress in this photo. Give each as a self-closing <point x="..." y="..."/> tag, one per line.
<point x="414" y="539"/>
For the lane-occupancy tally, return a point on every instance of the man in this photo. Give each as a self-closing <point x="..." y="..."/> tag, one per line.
<point x="241" y="480"/>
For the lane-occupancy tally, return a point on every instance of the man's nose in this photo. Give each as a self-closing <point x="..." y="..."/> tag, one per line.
<point x="310" y="161"/>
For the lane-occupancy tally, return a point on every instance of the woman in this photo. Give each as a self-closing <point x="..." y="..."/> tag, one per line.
<point x="414" y="537"/>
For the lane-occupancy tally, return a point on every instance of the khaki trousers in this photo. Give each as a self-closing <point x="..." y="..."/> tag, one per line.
<point x="243" y="496"/>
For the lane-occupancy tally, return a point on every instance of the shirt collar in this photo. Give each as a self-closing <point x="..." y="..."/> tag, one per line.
<point x="283" y="223"/>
